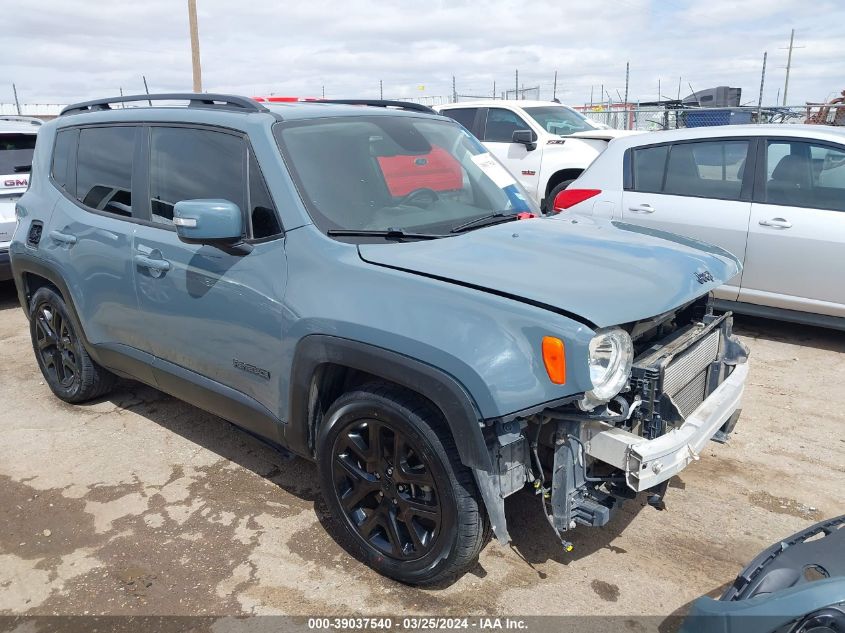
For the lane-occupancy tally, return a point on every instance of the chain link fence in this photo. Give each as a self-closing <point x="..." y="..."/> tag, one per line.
<point x="654" y="118"/>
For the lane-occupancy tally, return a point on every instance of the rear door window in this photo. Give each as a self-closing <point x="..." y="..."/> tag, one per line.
<point x="104" y="169"/>
<point x="190" y="164"/>
<point x="712" y="169"/>
<point x="464" y="116"/>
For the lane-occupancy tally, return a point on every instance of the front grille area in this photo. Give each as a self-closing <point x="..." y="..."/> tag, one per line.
<point x="685" y="378"/>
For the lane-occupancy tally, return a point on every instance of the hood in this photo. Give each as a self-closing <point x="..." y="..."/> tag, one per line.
<point x="600" y="271"/>
<point x="603" y="135"/>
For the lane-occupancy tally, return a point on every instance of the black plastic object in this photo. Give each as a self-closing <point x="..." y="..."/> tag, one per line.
<point x="812" y="554"/>
<point x="195" y="100"/>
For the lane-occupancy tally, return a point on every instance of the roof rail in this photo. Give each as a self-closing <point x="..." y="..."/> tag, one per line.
<point x="22" y="119"/>
<point x="195" y="100"/>
<point x="383" y="103"/>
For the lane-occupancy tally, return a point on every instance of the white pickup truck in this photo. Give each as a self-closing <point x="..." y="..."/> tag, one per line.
<point x="544" y="144"/>
<point x="17" y="143"/>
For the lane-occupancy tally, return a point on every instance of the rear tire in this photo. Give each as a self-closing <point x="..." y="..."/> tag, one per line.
<point x="550" y="199"/>
<point x="66" y="366"/>
<point x="391" y="475"/>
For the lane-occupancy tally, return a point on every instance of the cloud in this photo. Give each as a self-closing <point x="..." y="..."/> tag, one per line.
<point x="71" y="50"/>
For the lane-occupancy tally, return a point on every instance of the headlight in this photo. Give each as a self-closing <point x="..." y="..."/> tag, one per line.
<point x="611" y="354"/>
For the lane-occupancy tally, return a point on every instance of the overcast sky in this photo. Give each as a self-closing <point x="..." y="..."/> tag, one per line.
<point x="60" y="51"/>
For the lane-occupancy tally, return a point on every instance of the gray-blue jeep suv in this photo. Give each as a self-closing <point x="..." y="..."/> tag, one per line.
<point x="363" y="285"/>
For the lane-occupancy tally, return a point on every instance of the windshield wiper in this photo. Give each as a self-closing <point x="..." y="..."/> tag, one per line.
<point x="485" y="220"/>
<point x="389" y="233"/>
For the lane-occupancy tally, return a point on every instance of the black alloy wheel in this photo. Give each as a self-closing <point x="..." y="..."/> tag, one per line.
<point x="386" y="489"/>
<point x="394" y="481"/>
<point x="68" y="370"/>
<point x="56" y="344"/>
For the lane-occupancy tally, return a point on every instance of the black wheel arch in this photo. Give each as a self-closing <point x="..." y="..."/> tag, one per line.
<point x="561" y="176"/>
<point x="322" y="366"/>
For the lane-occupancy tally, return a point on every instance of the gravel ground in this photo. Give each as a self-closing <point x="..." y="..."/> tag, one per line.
<point x="140" y="504"/>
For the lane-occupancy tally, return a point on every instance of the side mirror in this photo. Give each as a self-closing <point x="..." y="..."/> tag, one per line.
<point x="525" y="137"/>
<point x="203" y="221"/>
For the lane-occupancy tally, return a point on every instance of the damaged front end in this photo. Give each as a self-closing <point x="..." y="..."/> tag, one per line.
<point x="584" y="457"/>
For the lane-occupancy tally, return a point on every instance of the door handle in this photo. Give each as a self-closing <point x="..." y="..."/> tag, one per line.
<point x="777" y="223"/>
<point x="642" y="208"/>
<point x="161" y="265"/>
<point x="63" y="238"/>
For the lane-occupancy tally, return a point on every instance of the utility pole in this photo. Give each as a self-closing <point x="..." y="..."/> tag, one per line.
<point x="494" y="88"/>
<point x="591" y="97"/>
<point x="679" y="88"/>
<point x="789" y="64"/>
<point x="454" y="91"/>
<point x="17" y="103"/>
<point x="762" y="83"/>
<point x="380" y="90"/>
<point x="554" y="88"/>
<point x="627" y="78"/>
<point x="195" y="45"/>
<point x="324" y="91"/>
<point x="516" y="85"/>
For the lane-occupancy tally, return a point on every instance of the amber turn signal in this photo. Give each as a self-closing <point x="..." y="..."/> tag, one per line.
<point x="554" y="358"/>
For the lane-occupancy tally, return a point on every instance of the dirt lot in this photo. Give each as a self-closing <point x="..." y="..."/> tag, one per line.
<point x="140" y="504"/>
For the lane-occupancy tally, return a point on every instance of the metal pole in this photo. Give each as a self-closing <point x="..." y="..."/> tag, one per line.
<point x="627" y="77"/>
<point x="554" y="88"/>
<point x="679" y="88"/>
<point x="762" y="83"/>
<point x="146" y="89"/>
<point x="659" y="92"/>
<point x="195" y="45"/>
<point x="380" y="90"/>
<point x="494" y="88"/>
<point x="591" y="97"/>
<point x="516" y="85"/>
<point x="788" y="65"/>
<point x="17" y="103"/>
<point x="324" y="91"/>
<point x="454" y="91"/>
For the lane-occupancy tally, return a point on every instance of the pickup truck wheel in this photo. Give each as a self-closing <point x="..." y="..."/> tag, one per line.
<point x="391" y="475"/>
<point x="67" y="368"/>
<point x="550" y="199"/>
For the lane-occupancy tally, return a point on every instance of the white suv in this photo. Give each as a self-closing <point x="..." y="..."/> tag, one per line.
<point x="544" y="144"/>
<point x="17" y="143"/>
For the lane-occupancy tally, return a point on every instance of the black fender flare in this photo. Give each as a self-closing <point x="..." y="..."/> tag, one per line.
<point x="446" y="393"/>
<point x="442" y="389"/>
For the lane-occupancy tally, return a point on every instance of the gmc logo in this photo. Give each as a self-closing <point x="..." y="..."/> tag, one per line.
<point x="15" y="182"/>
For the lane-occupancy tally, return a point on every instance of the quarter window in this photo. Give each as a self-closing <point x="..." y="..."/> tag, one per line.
<point x="805" y="175"/>
<point x="263" y="219"/>
<point x="501" y="124"/>
<point x="65" y="143"/>
<point x="104" y="169"/>
<point x="189" y="164"/>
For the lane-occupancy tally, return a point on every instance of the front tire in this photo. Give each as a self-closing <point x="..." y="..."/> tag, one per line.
<point x="66" y="366"/>
<point x="391" y="475"/>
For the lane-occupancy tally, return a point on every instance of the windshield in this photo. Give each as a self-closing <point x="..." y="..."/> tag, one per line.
<point x="16" y="153"/>
<point x="414" y="174"/>
<point x="560" y="119"/>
